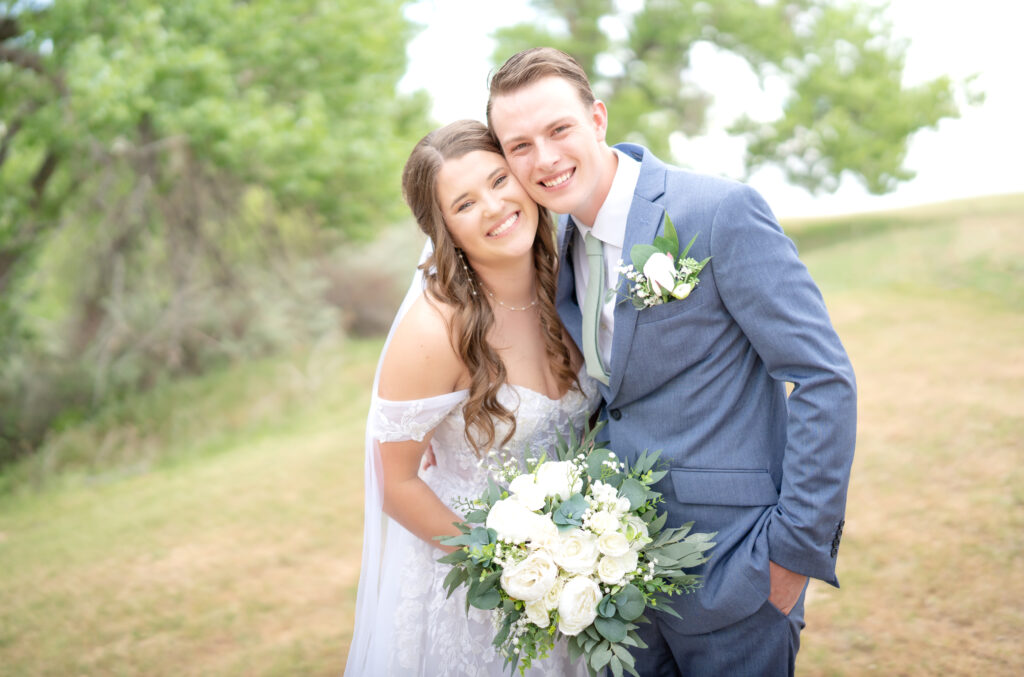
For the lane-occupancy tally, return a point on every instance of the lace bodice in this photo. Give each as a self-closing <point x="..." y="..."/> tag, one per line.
<point x="457" y="473"/>
<point x="432" y="633"/>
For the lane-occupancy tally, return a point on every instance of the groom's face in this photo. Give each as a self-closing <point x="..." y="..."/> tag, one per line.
<point x="555" y="146"/>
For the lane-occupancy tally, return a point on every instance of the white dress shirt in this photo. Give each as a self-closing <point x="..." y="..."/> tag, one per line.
<point x="610" y="228"/>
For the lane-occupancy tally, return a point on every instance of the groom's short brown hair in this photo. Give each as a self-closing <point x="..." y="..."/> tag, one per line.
<point x="531" y="65"/>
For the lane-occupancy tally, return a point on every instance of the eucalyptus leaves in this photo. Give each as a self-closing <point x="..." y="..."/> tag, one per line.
<point x="658" y="273"/>
<point x="573" y="548"/>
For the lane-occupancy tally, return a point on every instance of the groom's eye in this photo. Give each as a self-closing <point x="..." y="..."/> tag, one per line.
<point x="518" y="147"/>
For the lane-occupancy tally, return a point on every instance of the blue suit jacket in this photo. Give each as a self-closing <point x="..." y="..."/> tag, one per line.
<point x="703" y="379"/>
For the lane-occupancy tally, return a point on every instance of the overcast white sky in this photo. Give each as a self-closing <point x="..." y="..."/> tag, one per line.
<point x="979" y="154"/>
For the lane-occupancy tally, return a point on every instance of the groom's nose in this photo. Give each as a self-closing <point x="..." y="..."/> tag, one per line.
<point x="547" y="154"/>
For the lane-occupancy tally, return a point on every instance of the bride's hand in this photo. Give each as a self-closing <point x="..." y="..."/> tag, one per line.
<point x="428" y="457"/>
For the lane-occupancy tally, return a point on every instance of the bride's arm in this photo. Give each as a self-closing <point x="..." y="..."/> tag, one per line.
<point x="420" y="363"/>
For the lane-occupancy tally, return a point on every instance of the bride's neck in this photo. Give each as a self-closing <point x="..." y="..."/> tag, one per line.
<point x="513" y="283"/>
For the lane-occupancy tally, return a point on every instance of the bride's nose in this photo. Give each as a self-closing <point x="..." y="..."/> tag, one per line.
<point x="491" y="203"/>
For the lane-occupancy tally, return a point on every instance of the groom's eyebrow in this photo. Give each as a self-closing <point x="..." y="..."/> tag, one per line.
<point x="497" y="170"/>
<point x="547" y="128"/>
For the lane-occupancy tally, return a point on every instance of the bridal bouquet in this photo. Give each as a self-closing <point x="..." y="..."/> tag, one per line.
<point x="573" y="545"/>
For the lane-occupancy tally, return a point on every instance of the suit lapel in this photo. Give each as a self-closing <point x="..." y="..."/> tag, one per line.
<point x="642" y="226"/>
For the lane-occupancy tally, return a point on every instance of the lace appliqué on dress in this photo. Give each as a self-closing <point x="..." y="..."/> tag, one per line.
<point x="395" y="421"/>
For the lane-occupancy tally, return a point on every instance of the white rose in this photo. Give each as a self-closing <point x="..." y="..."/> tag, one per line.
<point x="544" y="533"/>
<point x="661" y="271"/>
<point x="559" y="478"/>
<point x="603" y="521"/>
<point x="554" y="594"/>
<point x="621" y="505"/>
<point x="537" y="613"/>
<point x="577" y="552"/>
<point x="682" y="290"/>
<point x="531" y="579"/>
<point x="512" y="520"/>
<point x="613" y="544"/>
<point x="526" y="490"/>
<point x="577" y="607"/>
<point x="612" y="570"/>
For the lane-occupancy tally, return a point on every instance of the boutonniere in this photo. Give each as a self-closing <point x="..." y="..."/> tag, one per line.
<point x="658" y="273"/>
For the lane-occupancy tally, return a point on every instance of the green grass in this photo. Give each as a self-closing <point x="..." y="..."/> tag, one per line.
<point x="212" y="527"/>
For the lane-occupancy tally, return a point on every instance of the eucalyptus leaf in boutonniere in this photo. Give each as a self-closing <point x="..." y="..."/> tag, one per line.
<point x="659" y="273"/>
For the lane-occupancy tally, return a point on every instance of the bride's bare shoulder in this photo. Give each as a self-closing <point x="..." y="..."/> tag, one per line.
<point x="421" y="361"/>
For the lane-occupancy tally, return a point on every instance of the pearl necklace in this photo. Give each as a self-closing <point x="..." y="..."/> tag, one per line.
<point x="506" y="306"/>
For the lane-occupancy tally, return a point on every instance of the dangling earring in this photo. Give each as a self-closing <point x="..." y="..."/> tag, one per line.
<point x="469" y="275"/>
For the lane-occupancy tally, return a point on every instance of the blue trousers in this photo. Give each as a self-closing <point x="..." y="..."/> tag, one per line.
<point x="761" y="645"/>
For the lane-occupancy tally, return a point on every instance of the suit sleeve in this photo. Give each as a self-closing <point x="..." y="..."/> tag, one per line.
<point x="770" y="294"/>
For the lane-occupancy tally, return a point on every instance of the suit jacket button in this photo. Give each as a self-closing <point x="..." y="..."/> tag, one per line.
<point x="615" y="413"/>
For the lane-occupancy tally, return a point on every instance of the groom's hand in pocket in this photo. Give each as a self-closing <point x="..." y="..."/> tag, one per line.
<point x="786" y="587"/>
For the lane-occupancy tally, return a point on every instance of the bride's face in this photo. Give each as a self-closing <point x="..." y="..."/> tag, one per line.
<point x="488" y="214"/>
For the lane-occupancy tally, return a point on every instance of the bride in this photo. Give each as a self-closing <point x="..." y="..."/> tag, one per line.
<point x="477" y="362"/>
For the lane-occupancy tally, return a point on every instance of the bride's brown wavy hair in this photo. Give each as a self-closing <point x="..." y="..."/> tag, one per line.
<point x="451" y="283"/>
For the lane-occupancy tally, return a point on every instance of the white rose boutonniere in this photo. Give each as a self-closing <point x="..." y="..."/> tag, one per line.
<point x="658" y="273"/>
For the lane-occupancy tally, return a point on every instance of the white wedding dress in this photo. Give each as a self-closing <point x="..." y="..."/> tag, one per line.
<point x="404" y="623"/>
<point x="431" y="634"/>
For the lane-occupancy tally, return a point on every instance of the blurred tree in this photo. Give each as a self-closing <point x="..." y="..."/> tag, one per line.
<point x="846" y="109"/>
<point x="150" y="147"/>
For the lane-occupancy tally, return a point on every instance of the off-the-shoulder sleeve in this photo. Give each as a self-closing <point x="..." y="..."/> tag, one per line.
<point x="401" y="421"/>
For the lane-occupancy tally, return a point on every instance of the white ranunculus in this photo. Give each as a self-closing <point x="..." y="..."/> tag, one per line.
<point x="531" y="579"/>
<point x="611" y="570"/>
<point x="577" y="607"/>
<point x="661" y="271"/>
<point x="682" y="290"/>
<point x="559" y="478"/>
<point x="537" y="613"/>
<point x="526" y="490"/>
<point x="613" y="544"/>
<point x="603" y="521"/>
<point x="513" y="521"/>
<point x="577" y="552"/>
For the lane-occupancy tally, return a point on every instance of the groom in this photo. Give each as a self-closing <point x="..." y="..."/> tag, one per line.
<point x="704" y="378"/>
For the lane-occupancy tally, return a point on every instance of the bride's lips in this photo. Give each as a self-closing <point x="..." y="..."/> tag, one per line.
<point x="557" y="181"/>
<point x="505" y="226"/>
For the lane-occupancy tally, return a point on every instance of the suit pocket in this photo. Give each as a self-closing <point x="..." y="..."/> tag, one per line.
<point x="671" y="309"/>
<point x="741" y="488"/>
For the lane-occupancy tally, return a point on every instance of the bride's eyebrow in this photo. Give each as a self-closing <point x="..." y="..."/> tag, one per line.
<point x="497" y="170"/>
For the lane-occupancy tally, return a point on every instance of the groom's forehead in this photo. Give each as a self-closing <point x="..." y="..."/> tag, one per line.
<point x="539" y="104"/>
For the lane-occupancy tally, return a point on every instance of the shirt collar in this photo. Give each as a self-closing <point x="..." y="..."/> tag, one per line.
<point x="610" y="224"/>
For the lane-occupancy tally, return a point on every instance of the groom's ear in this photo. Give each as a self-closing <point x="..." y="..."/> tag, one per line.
<point x="599" y="116"/>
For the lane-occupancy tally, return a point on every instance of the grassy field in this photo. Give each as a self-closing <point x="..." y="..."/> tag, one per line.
<point x="218" y="533"/>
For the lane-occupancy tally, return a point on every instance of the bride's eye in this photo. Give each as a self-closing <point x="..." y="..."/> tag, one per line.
<point x="500" y="180"/>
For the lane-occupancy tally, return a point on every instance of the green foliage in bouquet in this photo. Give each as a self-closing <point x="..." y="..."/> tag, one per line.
<point x="573" y="547"/>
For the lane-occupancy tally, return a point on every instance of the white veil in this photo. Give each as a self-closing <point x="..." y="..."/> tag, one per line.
<point x="374" y="613"/>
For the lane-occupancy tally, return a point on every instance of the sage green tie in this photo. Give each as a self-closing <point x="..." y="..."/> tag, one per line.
<point x="592" y="310"/>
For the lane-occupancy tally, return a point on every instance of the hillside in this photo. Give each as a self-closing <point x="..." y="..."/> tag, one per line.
<point x="215" y="529"/>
